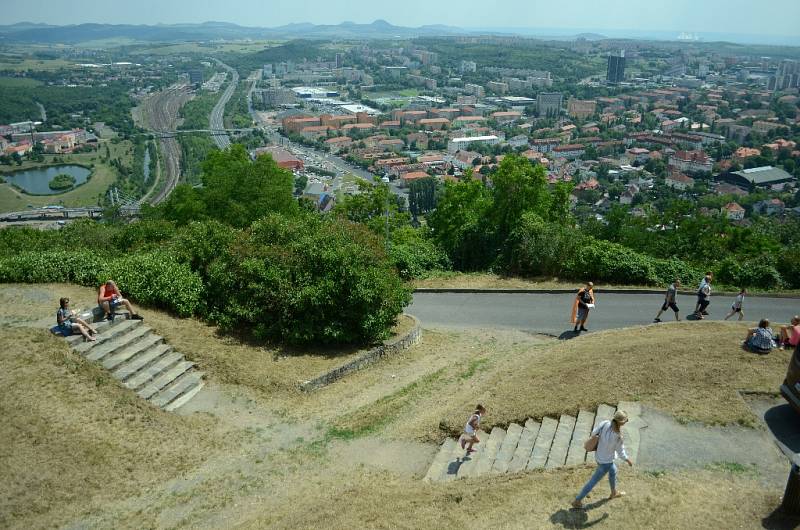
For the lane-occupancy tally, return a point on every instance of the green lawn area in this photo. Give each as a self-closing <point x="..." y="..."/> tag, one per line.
<point x="33" y="64"/>
<point x="18" y="82"/>
<point x="199" y="47"/>
<point x="103" y="175"/>
<point x="409" y="92"/>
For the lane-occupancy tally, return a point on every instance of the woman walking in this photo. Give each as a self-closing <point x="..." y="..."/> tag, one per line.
<point x="609" y="445"/>
<point x="584" y="302"/>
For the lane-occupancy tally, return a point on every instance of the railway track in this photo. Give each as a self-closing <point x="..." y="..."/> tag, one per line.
<point x="160" y="114"/>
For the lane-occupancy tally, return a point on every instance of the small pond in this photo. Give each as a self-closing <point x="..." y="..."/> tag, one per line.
<point x="36" y="181"/>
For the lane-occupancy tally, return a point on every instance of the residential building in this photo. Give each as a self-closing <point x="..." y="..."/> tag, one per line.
<point x="282" y="157"/>
<point x="338" y="143"/>
<point x="497" y="87"/>
<point x="733" y="211"/>
<point x="581" y="109"/>
<point x="570" y="151"/>
<point x="679" y="181"/>
<point x="458" y="144"/>
<point x="276" y="97"/>
<point x="196" y="77"/>
<point x="549" y="103"/>
<point x="474" y="90"/>
<point x="691" y="161"/>
<point x="411" y="176"/>
<point x="770" y="207"/>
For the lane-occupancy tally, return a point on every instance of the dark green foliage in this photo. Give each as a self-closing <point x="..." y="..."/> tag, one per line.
<point x="236" y="191"/>
<point x="788" y="265"/>
<point x="422" y="196"/>
<point x="540" y="248"/>
<point x="414" y="254"/>
<point x="304" y="280"/>
<point x="759" y="272"/>
<point x="61" y="181"/>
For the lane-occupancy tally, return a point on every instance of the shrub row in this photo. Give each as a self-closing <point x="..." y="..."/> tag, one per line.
<point x="539" y="248"/>
<point x="151" y="278"/>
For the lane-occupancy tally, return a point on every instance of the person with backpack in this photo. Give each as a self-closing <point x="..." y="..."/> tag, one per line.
<point x="584" y="302"/>
<point x="703" y="297"/>
<point x="608" y="444"/>
<point x="669" y="301"/>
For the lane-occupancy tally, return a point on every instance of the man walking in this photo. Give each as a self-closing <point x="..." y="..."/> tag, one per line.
<point x="584" y="302"/>
<point x="669" y="301"/>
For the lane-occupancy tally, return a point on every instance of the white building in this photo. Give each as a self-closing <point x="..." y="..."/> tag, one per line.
<point x="458" y="144"/>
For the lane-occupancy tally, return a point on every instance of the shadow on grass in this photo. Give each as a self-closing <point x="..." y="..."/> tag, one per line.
<point x="278" y="350"/>
<point x="578" y="518"/>
<point x="779" y="520"/>
<point x="569" y="334"/>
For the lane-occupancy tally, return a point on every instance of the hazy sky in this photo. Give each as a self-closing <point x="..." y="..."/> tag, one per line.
<point x="779" y="17"/>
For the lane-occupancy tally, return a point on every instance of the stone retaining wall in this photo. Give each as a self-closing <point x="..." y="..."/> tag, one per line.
<point x="412" y="337"/>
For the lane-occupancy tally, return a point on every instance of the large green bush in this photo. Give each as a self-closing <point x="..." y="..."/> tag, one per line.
<point x="413" y="254"/>
<point x="755" y="272"/>
<point x="306" y="280"/>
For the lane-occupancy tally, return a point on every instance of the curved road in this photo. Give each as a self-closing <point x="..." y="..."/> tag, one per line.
<point x="549" y="313"/>
<point x="216" y="120"/>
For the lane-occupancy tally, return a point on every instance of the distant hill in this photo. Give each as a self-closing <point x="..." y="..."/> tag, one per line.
<point x="26" y="32"/>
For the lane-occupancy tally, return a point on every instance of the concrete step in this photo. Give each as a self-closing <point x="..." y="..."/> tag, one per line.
<point x="541" y="448"/>
<point x="486" y="460"/>
<point x="441" y="460"/>
<point x="160" y="383"/>
<point x="146" y="375"/>
<point x="583" y="429"/>
<point x="118" y="343"/>
<point x="179" y="386"/>
<point x="468" y="462"/>
<point x="507" y="449"/>
<point x="631" y="433"/>
<point x="561" y="440"/>
<point x="522" y="454"/>
<point x="132" y="350"/>
<point x="604" y="412"/>
<point x="108" y="334"/>
<point x="186" y="396"/>
<point x="128" y="369"/>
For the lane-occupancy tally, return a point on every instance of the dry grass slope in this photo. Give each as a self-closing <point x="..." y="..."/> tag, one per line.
<point x="690" y="370"/>
<point x="72" y="439"/>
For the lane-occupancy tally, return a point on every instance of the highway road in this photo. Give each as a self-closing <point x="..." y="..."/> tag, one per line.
<point x="216" y="120"/>
<point x="550" y="313"/>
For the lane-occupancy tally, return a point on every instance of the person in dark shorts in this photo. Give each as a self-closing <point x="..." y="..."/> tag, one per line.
<point x="584" y="302"/>
<point x="109" y="298"/>
<point x="737" y="305"/>
<point x="669" y="301"/>
<point x="703" y="284"/>
<point x="703" y="298"/>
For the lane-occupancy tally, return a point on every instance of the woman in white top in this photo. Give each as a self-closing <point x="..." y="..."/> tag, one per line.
<point x="470" y="436"/>
<point x="609" y="446"/>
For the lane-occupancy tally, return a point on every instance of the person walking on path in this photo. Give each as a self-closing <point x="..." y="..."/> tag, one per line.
<point x="470" y="436"/>
<point x="669" y="301"/>
<point x="584" y="302"/>
<point x="609" y="445"/>
<point x="703" y="284"/>
<point x="68" y="322"/>
<point x="737" y="305"/>
<point x="703" y="298"/>
<point x="109" y="298"/>
<point x="790" y="335"/>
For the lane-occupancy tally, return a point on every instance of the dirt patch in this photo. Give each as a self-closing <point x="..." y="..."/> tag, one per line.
<point x="404" y="457"/>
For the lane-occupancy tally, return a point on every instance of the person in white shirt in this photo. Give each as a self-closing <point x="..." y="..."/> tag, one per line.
<point x="470" y="436"/>
<point x="609" y="446"/>
<point x="737" y="305"/>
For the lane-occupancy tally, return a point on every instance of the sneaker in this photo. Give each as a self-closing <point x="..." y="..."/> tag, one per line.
<point x="584" y="329"/>
<point x="137" y="317"/>
<point x="705" y="313"/>
<point x="109" y="317"/>
<point x="656" y="320"/>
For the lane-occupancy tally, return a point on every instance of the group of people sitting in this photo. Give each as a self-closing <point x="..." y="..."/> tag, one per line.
<point x="109" y="298"/>
<point x="763" y="340"/>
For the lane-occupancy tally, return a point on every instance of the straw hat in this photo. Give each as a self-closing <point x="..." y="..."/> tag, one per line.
<point x="621" y="416"/>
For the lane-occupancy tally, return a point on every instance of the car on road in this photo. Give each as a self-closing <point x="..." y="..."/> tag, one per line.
<point x="790" y="389"/>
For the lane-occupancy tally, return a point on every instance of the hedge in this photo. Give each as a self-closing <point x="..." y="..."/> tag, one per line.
<point x="155" y="278"/>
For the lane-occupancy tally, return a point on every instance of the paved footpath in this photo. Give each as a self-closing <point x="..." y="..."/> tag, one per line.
<point x="549" y="313"/>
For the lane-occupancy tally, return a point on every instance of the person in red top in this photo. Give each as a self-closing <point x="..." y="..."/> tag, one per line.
<point x="109" y="298"/>
<point x="790" y="335"/>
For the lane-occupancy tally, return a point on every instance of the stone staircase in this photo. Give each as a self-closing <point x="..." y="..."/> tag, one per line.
<point x="141" y="361"/>
<point x="550" y="444"/>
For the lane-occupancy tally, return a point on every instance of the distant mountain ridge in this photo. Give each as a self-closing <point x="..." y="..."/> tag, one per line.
<point x="27" y="32"/>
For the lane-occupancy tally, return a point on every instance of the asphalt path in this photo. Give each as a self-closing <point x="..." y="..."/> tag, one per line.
<point x="550" y="313"/>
